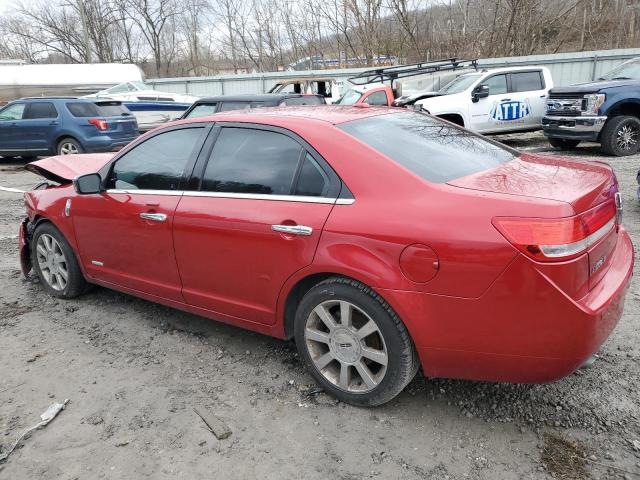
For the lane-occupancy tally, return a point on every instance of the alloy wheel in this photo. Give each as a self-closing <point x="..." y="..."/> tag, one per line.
<point x="52" y="262"/>
<point x="346" y="346"/>
<point x="627" y="137"/>
<point x="68" y="148"/>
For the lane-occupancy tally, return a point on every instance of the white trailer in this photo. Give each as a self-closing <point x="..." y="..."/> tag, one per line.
<point x="18" y="81"/>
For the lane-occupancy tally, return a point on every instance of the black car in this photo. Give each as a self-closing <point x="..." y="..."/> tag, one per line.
<point x="224" y="103"/>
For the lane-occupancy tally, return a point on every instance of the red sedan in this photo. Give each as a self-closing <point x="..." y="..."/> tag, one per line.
<point x="381" y="240"/>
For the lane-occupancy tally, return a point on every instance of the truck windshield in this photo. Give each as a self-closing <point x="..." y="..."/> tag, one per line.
<point x="350" y="97"/>
<point x="627" y="71"/>
<point x="433" y="149"/>
<point x="459" y="84"/>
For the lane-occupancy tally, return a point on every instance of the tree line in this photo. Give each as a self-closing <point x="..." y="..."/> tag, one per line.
<point x="205" y="37"/>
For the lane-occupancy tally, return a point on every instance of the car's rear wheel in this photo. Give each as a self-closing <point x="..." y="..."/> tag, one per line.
<point x="69" y="146"/>
<point x="621" y="136"/>
<point x="353" y="343"/>
<point x="564" y="143"/>
<point x="55" y="263"/>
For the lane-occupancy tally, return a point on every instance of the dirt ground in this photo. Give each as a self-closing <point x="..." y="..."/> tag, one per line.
<point x="134" y="372"/>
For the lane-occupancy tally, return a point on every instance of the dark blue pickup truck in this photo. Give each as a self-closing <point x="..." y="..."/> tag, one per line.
<point x="606" y="111"/>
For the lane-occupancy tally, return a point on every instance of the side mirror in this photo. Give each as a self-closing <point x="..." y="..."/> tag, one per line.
<point x="87" y="184"/>
<point x="481" y="91"/>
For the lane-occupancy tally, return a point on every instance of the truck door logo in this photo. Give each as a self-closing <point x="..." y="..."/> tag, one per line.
<point x="510" y="110"/>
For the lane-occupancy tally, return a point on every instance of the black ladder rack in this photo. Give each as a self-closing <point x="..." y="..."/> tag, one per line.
<point x="391" y="74"/>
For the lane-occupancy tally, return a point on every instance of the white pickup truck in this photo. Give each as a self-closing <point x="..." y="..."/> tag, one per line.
<point x="500" y="100"/>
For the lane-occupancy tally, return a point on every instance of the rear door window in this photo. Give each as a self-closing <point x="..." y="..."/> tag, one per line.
<point x="432" y="149"/>
<point x="158" y="163"/>
<point x="12" y="112"/>
<point x="254" y="161"/>
<point x="37" y="110"/>
<point x="526" y="81"/>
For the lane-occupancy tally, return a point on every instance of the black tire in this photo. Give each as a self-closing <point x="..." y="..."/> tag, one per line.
<point x="402" y="363"/>
<point x="75" y="282"/>
<point x="69" y="146"/>
<point x="611" y="137"/>
<point x="563" y="143"/>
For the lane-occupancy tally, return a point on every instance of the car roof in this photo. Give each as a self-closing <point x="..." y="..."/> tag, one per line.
<point x="262" y="97"/>
<point x="333" y="114"/>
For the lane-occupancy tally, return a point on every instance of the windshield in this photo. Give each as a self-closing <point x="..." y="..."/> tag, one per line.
<point x="627" y="71"/>
<point x="431" y="148"/>
<point x="350" y="97"/>
<point x="459" y="84"/>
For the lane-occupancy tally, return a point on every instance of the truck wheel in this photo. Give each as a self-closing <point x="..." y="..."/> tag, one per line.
<point x="353" y="343"/>
<point x="621" y="136"/>
<point x="563" y="143"/>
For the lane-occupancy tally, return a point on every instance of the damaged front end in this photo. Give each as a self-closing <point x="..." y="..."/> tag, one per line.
<point x="24" y="242"/>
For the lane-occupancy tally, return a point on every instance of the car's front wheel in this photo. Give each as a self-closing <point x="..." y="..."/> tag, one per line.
<point x="353" y="343"/>
<point x="55" y="263"/>
<point x="563" y="143"/>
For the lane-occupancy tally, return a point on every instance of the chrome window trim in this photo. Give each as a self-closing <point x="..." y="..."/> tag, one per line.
<point x="174" y="193"/>
<point x="244" y="196"/>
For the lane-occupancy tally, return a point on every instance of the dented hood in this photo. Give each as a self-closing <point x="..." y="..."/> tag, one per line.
<point x="64" y="168"/>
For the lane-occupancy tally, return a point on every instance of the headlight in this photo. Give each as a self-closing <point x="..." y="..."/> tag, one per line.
<point x="593" y="103"/>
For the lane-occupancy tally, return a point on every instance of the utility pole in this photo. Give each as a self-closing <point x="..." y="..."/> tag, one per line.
<point x="85" y="31"/>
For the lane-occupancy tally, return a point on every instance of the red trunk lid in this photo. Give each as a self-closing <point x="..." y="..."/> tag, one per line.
<point x="582" y="184"/>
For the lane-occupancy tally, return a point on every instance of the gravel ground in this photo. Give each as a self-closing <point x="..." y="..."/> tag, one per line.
<point x="135" y="371"/>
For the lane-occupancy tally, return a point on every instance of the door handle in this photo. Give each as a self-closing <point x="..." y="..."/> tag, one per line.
<point x="154" y="217"/>
<point x="293" y="229"/>
<point x="505" y="100"/>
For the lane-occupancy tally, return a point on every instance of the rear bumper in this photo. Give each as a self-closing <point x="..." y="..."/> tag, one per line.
<point x="578" y="128"/>
<point x="106" y="144"/>
<point x="524" y="329"/>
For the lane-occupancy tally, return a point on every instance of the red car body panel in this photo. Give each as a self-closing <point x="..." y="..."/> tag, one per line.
<point x="233" y="238"/>
<point x="475" y="306"/>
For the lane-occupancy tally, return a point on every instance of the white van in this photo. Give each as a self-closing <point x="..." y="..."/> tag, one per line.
<point x="500" y="100"/>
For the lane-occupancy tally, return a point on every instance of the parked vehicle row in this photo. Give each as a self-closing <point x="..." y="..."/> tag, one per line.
<point x="500" y="100"/>
<point x="349" y="230"/>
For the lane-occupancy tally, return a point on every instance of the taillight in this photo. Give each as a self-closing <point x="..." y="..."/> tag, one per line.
<point x="556" y="239"/>
<point x="99" y="123"/>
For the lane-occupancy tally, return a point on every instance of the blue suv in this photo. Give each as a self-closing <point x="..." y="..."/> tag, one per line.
<point x="32" y="127"/>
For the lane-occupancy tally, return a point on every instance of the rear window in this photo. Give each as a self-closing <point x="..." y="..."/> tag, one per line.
<point x="430" y="148"/>
<point x="88" y="109"/>
<point x="305" y="100"/>
<point x="526" y="81"/>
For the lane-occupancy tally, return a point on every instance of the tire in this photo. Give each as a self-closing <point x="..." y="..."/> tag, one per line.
<point x="621" y="136"/>
<point x="563" y="143"/>
<point x="47" y="244"/>
<point x="339" y="358"/>
<point x="69" y="146"/>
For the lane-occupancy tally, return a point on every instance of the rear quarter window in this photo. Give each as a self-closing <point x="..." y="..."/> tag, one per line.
<point x="432" y="149"/>
<point x="84" y="109"/>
